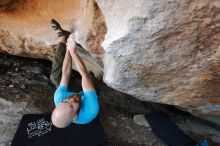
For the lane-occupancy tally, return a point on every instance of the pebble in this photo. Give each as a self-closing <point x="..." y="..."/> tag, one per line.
<point x="16" y="69"/>
<point x="23" y="86"/>
<point x="45" y="77"/>
<point x="140" y="120"/>
<point x="11" y="86"/>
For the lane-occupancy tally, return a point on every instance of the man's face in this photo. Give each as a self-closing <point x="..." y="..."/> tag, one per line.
<point x="74" y="102"/>
<point x="74" y="98"/>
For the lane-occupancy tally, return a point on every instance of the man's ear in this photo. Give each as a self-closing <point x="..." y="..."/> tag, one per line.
<point x="74" y="118"/>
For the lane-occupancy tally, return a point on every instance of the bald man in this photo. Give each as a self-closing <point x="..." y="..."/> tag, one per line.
<point x="82" y="107"/>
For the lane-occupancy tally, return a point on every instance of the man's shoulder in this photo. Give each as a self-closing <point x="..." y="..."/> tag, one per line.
<point x="61" y="94"/>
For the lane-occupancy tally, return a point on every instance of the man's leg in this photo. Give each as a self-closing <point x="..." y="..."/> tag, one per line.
<point x="57" y="63"/>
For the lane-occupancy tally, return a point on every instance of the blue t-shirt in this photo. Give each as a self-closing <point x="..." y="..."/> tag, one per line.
<point x="89" y="103"/>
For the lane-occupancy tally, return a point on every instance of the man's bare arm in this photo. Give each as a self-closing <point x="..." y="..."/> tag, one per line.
<point x="87" y="84"/>
<point x="66" y="69"/>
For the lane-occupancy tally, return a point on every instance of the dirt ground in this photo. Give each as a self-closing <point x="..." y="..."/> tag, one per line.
<point x="27" y="80"/>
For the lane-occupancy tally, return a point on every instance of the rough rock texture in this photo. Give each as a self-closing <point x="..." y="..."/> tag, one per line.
<point x="91" y="29"/>
<point x="25" y="28"/>
<point x="10" y="114"/>
<point x="164" y="51"/>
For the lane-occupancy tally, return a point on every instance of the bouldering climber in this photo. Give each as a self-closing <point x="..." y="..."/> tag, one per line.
<point x="82" y="107"/>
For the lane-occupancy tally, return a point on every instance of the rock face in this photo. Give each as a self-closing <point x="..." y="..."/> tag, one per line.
<point x="25" y="28"/>
<point x="164" y="51"/>
<point x="25" y="25"/>
<point x="91" y="29"/>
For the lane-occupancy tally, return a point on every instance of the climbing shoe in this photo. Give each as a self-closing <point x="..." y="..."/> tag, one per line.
<point x="58" y="29"/>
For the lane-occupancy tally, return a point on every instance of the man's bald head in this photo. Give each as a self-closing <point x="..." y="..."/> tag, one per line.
<point x="62" y="115"/>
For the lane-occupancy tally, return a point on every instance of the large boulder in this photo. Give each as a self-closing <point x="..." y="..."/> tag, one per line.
<point x="164" y="51"/>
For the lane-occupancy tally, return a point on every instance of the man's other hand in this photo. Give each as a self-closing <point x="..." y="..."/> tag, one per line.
<point x="71" y="44"/>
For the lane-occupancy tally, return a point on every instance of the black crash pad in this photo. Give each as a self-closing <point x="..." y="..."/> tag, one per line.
<point x="37" y="130"/>
<point x="167" y="130"/>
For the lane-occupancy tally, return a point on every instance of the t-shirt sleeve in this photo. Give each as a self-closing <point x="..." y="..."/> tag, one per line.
<point x="89" y="108"/>
<point x="61" y="94"/>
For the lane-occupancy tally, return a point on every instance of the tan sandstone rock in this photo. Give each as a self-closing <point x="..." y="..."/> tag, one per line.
<point x="25" y="28"/>
<point x="25" y="25"/>
<point x="165" y="51"/>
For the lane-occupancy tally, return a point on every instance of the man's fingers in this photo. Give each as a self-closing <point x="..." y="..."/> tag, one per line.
<point x="72" y="36"/>
<point x="71" y="44"/>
